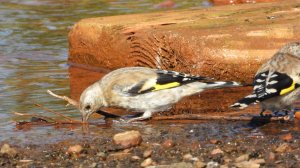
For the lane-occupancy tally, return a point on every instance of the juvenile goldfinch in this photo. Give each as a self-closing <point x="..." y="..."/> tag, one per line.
<point x="142" y="90"/>
<point x="276" y="83"/>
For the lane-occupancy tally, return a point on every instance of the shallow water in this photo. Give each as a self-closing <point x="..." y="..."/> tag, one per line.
<point x="34" y="50"/>
<point x="33" y="54"/>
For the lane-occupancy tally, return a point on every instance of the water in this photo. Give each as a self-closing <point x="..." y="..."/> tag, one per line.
<point x="34" y="50"/>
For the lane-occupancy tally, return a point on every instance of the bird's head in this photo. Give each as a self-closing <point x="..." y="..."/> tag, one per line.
<point x="291" y="48"/>
<point x="91" y="100"/>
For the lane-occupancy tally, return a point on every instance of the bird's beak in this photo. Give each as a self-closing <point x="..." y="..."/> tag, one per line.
<point x="86" y="116"/>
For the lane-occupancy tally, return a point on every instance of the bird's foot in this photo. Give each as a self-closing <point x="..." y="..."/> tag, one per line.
<point x="265" y="115"/>
<point x="146" y="115"/>
<point x="286" y="114"/>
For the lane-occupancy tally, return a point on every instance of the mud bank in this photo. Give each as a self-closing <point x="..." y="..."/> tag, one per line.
<point x="225" y="42"/>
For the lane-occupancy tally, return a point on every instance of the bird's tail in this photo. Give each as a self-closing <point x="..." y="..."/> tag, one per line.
<point x="220" y="84"/>
<point x="245" y="102"/>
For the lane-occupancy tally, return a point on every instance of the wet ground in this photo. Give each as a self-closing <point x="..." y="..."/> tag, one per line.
<point x="197" y="143"/>
<point x="33" y="54"/>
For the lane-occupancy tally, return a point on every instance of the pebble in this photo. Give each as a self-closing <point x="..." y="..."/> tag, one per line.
<point x="128" y="139"/>
<point x="168" y="143"/>
<point x="187" y="157"/>
<point x="135" y="158"/>
<point x="147" y="162"/>
<point x="247" y="164"/>
<point x="6" y="149"/>
<point x="271" y="156"/>
<point x="212" y="164"/>
<point x="287" y="137"/>
<point x="25" y="160"/>
<point x="215" y="141"/>
<point x="175" y="165"/>
<point x="118" y="156"/>
<point x="297" y="115"/>
<point x="75" y="149"/>
<point x="216" y="151"/>
<point x="253" y="163"/>
<point x="147" y="153"/>
<point x="259" y="161"/>
<point x="101" y="155"/>
<point x="199" y="164"/>
<point x="242" y="158"/>
<point x="93" y="165"/>
<point x="285" y="147"/>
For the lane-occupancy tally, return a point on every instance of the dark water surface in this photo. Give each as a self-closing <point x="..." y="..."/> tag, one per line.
<point x="33" y="54"/>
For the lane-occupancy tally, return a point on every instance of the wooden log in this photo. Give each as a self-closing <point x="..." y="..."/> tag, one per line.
<point x="224" y="42"/>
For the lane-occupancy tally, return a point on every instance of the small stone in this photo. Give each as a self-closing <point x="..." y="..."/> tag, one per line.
<point x="146" y="162"/>
<point x="93" y="165"/>
<point x="75" y="149"/>
<point x="271" y="156"/>
<point x="25" y="160"/>
<point x="135" y="158"/>
<point x="247" y="164"/>
<point x="212" y="164"/>
<point x="102" y="156"/>
<point x="226" y="159"/>
<point x="187" y="157"/>
<point x="199" y="164"/>
<point x="285" y="147"/>
<point x="127" y="150"/>
<point x="215" y="141"/>
<point x="242" y="158"/>
<point x="297" y="115"/>
<point x="6" y="149"/>
<point x="175" y="165"/>
<point x="147" y="153"/>
<point x="118" y="156"/>
<point x="128" y="139"/>
<point x="224" y="166"/>
<point x="258" y="161"/>
<point x="216" y="151"/>
<point x="297" y="157"/>
<point x="287" y="137"/>
<point x="168" y="143"/>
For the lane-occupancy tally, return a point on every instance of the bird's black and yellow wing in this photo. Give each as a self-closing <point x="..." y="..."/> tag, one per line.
<point x="270" y="84"/>
<point x="164" y="80"/>
<point x="267" y="85"/>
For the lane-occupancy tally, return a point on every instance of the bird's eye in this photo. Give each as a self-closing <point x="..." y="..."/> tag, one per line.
<point x="87" y="107"/>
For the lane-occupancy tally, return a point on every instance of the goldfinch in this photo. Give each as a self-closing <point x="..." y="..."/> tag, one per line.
<point x="276" y="83"/>
<point x="143" y="90"/>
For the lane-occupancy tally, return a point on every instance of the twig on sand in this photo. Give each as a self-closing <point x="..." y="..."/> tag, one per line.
<point x="36" y="115"/>
<point x="48" y="118"/>
<point x="227" y="118"/>
<point x="69" y="100"/>
<point x="54" y="112"/>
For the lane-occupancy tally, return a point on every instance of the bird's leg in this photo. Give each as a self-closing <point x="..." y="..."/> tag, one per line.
<point x="292" y="114"/>
<point x="146" y="115"/>
<point x="262" y="112"/>
<point x="280" y="113"/>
